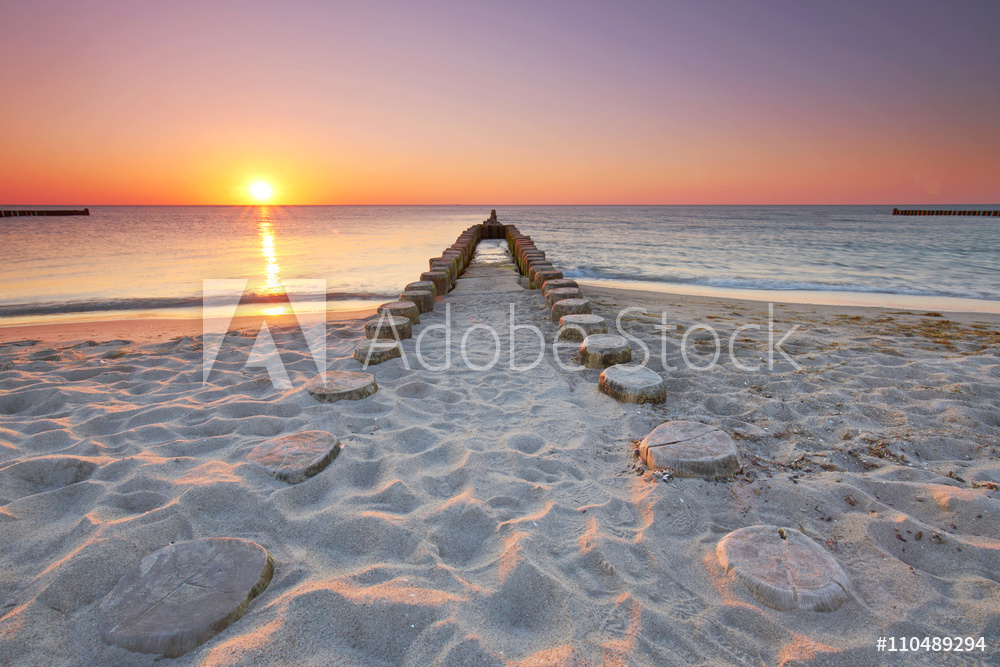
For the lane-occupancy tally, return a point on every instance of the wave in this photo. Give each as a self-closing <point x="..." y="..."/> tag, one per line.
<point x="732" y="282"/>
<point x="164" y="303"/>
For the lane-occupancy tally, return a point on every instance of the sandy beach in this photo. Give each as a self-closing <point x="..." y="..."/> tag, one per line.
<point x="716" y="382"/>
<point x="495" y="516"/>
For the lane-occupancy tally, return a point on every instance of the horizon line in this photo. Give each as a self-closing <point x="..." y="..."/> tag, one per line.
<point x="492" y="206"/>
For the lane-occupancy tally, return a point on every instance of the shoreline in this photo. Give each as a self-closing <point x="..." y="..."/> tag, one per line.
<point x="151" y="330"/>
<point x="157" y="329"/>
<point x="882" y="300"/>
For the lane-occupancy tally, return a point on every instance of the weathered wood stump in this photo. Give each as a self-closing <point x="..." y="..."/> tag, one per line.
<point x="440" y="280"/>
<point x="341" y="385"/>
<point x="372" y="352"/>
<point x="691" y="449"/>
<point x="406" y="309"/>
<point x="603" y="350"/>
<point x="783" y="568"/>
<point x="578" y="327"/>
<point x="449" y="267"/>
<point x="423" y="298"/>
<point x="560" y="294"/>
<point x="538" y="263"/>
<point x="178" y="597"/>
<point x="569" y="307"/>
<point x="422" y="285"/>
<point x="541" y="277"/>
<point x="631" y="383"/>
<point x="557" y="283"/>
<point x="531" y="254"/>
<point x="389" y="327"/>
<point x="535" y="267"/>
<point x="297" y="457"/>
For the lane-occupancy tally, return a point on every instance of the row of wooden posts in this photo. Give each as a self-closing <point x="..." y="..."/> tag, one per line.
<point x="905" y="211"/>
<point x="19" y="212"/>
<point x="397" y="319"/>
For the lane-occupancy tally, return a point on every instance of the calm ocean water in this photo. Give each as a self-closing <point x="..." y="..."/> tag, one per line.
<point x="129" y="261"/>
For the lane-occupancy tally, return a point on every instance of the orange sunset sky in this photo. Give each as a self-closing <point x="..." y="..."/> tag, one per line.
<point x="714" y="102"/>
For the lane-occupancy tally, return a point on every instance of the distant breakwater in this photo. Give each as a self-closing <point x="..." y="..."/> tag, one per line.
<point x="913" y="211"/>
<point x="21" y="212"/>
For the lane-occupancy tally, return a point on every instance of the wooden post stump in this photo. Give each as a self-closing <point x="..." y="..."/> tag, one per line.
<point x="578" y="327"/>
<point x="457" y="258"/>
<point x="535" y="267"/>
<point x="341" y="386"/>
<point x="449" y="268"/>
<point x="561" y="293"/>
<point x="631" y="383"/>
<point x="783" y="568"/>
<point x="406" y="309"/>
<point x="440" y="280"/>
<point x="391" y="327"/>
<point x="542" y="277"/>
<point x="372" y="352"/>
<point x="423" y="284"/>
<point x="691" y="449"/>
<point x="184" y="594"/>
<point x="557" y="283"/>
<point x="603" y="350"/>
<point x="297" y="457"/>
<point x="570" y="307"/>
<point x="423" y="298"/>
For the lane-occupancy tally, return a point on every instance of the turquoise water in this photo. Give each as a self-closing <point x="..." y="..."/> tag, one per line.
<point x="134" y="261"/>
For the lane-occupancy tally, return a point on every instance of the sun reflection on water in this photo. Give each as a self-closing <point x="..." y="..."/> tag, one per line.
<point x="265" y="228"/>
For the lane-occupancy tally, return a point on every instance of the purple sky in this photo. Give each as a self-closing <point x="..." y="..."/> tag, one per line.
<point x="422" y="102"/>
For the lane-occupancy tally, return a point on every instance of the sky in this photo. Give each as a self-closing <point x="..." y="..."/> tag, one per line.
<point x="706" y="102"/>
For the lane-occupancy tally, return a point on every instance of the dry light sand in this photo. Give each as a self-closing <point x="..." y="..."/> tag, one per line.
<point x="499" y="517"/>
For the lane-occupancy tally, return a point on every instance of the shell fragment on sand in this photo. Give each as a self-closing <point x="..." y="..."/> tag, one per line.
<point x="631" y="383"/>
<point x="691" y="449"/>
<point x="570" y="307"/>
<point x="182" y="595"/>
<point x="559" y="294"/>
<point x="578" y="327"/>
<point x="372" y="352"/>
<point x="783" y="568"/>
<point x="341" y="385"/>
<point x="297" y="457"/>
<point x="423" y="298"/>
<point x="406" y="309"/>
<point x="389" y="327"/>
<point x="603" y="350"/>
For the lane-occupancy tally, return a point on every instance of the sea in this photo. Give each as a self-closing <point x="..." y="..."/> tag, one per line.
<point x="158" y="261"/>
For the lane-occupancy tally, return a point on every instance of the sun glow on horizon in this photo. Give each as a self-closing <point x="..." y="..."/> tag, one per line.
<point x="261" y="191"/>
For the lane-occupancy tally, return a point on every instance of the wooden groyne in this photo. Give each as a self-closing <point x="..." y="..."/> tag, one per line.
<point x="19" y="212"/>
<point x="397" y="318"/>
<point x="620" y="379"/>
<point x="916" y="211"/>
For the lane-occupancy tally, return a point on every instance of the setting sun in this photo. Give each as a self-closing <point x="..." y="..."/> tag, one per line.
<point x="261" y="191"/>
